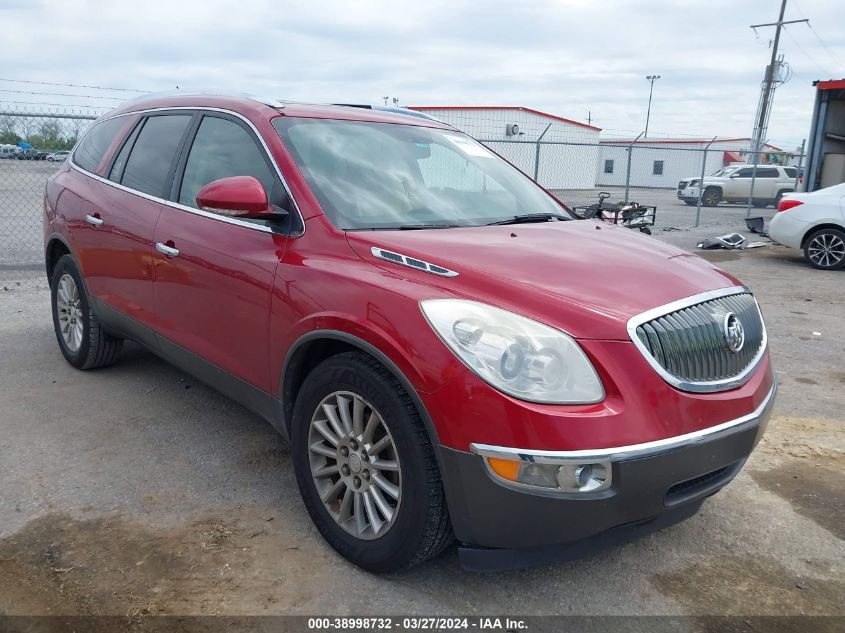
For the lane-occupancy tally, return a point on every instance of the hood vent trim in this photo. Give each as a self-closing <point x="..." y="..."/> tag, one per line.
<point x="412" y="262"/>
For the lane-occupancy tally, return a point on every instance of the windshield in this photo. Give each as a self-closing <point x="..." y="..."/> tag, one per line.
<point x="387" y="176"/>
<point x="724" y="171"/>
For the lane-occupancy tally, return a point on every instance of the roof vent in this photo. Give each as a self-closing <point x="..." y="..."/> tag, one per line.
<point x="412" y="262"/>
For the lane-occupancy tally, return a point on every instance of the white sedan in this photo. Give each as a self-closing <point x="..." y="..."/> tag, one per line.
<point x="815" y="222"/>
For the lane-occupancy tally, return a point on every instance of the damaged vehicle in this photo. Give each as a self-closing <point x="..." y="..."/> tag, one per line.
<point x="424" y="322"/>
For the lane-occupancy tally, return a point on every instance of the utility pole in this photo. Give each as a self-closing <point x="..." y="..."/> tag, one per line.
<point x="768" y="84"/>
<point x="651" y="79"/>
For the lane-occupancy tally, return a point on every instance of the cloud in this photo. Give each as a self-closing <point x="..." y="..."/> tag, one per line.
<point x="568" y="57"/>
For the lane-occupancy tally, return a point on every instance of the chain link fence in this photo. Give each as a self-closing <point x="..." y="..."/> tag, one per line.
<point x="661" y="174"/>
<point x="567" y="158"/>
<point x="34" y="140"/>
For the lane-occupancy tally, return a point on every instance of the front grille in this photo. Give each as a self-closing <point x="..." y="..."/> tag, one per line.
<point x="690" y="346"/>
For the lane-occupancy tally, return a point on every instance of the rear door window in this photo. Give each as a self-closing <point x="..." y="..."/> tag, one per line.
<point x="94" y="145"/>
<point x="148" y="166"/>
<point x="768" y="173"/>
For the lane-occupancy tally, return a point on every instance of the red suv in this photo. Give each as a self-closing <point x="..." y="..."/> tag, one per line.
<point x="451" y="353"/>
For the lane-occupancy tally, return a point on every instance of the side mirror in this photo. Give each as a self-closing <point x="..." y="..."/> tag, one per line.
<point x="236" y="197"/>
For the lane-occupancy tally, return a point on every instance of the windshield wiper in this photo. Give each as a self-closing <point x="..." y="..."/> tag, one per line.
<point x="417" y="227"/>
<point x="531" y="217"/>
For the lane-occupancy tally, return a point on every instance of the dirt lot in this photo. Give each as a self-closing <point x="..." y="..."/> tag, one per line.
<point x="135" y="490"/>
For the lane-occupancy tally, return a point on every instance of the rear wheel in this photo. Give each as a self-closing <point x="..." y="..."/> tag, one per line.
<point x="83" y="342"/>
<point x="690" y="203"/>
<point x="365" y="466"/>
<point x="825" y="249"/>
<point x="780" y="195"/>
<point x="711" y="197"/>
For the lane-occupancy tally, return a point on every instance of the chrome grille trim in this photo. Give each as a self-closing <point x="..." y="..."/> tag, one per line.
<point x="683" y="343"/>
<point x="412" y="262"/>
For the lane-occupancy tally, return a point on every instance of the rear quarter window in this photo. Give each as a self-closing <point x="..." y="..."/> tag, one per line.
<point x="94" y="145"/>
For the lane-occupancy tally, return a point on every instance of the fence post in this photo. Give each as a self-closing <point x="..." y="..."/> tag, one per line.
<point x="798" y="169"/>
<point x="537" y="154"/>
<point x="701" y="182"/>
<point x="628" y="168"/>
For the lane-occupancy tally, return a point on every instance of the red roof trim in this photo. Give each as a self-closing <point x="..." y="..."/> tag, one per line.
<point x="691" y="141"/>
<point x="520" y="108"/>
<point x="831" y="84"/>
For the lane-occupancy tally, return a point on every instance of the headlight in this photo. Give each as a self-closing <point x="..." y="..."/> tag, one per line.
<point x="516" y="355"/>
<point x="693" y="183"/>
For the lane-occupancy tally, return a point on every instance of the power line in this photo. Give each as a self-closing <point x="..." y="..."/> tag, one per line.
<point x="50" y="83"/>
<point x="821" y="41"/>
<point x="60" y="94"/>
<point x="64" y="105"/>
<point x="820" y="66"/>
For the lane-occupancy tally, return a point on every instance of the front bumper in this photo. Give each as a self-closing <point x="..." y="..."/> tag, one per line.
<point x="653" y="485"/>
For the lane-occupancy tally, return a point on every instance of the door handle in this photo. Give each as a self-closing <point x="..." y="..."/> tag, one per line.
<point x="94" y="221"/>
<point x="169" y="251"/>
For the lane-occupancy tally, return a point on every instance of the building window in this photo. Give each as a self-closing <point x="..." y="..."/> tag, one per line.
<point x="657" y="170"/>
<point x="608" y="166"/>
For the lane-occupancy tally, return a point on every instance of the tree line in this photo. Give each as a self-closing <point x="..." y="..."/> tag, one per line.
<point x="46" y="134"/>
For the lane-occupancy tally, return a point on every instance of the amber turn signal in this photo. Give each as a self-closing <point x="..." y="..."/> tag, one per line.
<point x="505" y="468"/>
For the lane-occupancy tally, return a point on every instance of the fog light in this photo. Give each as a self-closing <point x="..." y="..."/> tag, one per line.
<point x="569" y="477"/>
<point x="584" y="477"/>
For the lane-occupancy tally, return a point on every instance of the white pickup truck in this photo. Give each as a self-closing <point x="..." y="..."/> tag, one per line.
<point x="733" y="184"/>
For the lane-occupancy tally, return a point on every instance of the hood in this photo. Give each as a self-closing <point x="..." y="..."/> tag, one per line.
<point x="584" y="277"/>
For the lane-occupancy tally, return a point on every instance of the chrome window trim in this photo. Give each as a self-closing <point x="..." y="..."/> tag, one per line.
<point x="633" y="451"/>
<point x="697" y="387"/>
<point x="382" y="253"/>
<point x="182" y="207"/>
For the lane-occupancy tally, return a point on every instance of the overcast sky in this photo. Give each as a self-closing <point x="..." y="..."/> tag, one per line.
<point x="567" y="57"/>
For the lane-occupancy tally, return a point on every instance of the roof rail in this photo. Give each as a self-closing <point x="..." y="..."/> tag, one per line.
<point x="403" y="111"/>
<point x="273" y="103"/>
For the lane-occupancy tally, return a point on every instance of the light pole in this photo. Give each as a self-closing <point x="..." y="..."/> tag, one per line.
<point x="651" y="79"/>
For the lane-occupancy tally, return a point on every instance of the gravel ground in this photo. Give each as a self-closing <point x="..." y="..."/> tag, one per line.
<point x="135" y="490"/>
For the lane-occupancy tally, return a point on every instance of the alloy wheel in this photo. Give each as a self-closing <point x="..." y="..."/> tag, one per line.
<point x="355" y="465"/>
<point x="69" y="312"/>
<point x="826" y="250"/>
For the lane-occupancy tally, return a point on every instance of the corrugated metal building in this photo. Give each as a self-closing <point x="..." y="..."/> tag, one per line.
<point x="513" y="131"/>
<point x="663" y="162"/>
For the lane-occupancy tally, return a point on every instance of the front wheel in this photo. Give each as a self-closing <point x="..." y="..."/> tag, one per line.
<point x="365" y="466"/>
<point x="825" y="249"/>
<point x="83" y="342"/>
<point x="711" y="197"/>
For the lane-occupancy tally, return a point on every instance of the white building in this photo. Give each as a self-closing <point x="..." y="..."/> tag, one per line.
<point x="663" y="162"/>
<point x="513" y="132"/>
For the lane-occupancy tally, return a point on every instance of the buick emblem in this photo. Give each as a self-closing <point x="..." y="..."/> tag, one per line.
<point x="734" y="333"/>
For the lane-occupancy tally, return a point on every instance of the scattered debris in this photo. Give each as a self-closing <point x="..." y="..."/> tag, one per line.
<point x="729" y="241"/>
<point x="755" y="225"/>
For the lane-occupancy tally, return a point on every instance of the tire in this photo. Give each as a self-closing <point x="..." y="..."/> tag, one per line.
<point x="759" y="204"/>
<point x="418" y="527"/>
<point x="83" y="342"/>
<point x="645" y="230"/>
<point x="780" y="195"/>
<point x="711" y="197"/>
<point x="825" y="249"/>
<point x="690" y="203"/>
